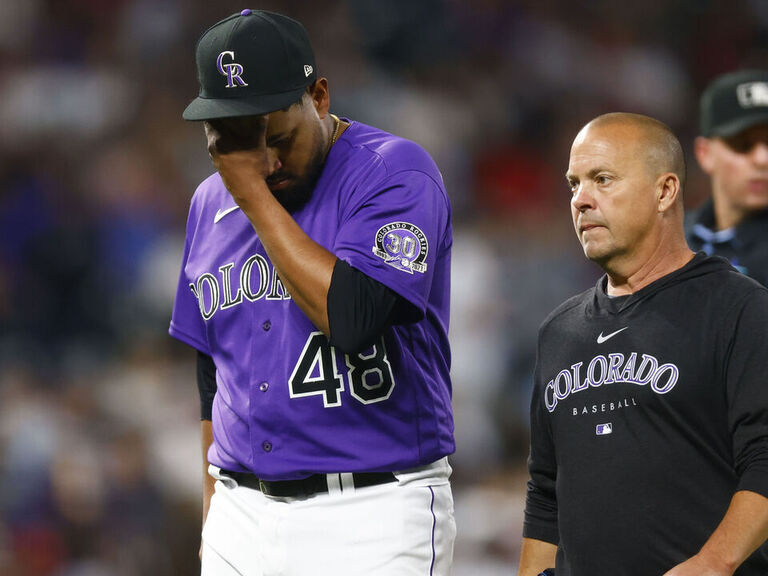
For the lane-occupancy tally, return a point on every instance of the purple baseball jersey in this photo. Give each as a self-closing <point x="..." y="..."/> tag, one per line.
<point x="288" y="403"/>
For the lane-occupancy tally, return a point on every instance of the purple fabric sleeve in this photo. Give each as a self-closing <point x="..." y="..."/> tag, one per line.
<point x="409" y="197"/>
<point x="186" y="323"/>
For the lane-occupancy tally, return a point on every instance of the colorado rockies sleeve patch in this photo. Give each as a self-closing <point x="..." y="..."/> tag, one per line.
<point x="403" y="246"/>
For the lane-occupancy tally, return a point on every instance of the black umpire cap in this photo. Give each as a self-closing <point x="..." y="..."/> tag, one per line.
<point x="734" y="102"/>
<point x="252" y="63"/>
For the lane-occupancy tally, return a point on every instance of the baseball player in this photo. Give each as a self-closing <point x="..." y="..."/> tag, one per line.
<point x="315" y="288"/>
<point x="733" y="151"/>
<point x="649" y="416"/>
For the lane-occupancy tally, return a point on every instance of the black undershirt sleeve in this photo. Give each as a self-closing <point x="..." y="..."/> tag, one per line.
<point x="206" y="384"/>
<point x="360" y="308"/>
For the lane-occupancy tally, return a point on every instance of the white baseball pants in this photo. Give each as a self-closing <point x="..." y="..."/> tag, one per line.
<point x="403" y="528"/>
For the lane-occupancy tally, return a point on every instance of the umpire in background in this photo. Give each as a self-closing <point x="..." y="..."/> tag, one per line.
<point x="649" y="416"/>
<point x="733" y="151"/>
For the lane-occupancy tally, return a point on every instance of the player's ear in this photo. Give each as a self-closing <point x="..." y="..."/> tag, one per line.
<point x="321" y="99"/>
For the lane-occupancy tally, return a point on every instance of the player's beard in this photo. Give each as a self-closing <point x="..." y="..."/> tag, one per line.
<point x="295" y="196"/>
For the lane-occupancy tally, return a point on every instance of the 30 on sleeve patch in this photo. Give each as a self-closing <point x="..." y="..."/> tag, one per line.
<point x="403" y="246"/>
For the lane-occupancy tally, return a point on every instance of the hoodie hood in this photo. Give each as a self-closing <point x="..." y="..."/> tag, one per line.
<point x="699" y="265"/>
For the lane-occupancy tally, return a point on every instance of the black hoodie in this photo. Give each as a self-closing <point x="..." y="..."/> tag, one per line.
<point x="649" y="412"/>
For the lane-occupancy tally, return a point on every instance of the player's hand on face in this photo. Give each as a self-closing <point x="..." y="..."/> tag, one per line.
<point x="238" y="150"/>
<point x="698" y="566"/>
<point x="226" y="135"/>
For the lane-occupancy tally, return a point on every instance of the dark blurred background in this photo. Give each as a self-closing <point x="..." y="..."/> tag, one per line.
<point x="99" y="436"/>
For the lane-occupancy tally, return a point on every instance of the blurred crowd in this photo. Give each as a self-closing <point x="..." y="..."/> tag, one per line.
<point x="99" y="434"/>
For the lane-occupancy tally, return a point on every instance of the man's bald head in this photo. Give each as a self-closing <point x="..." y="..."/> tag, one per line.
<point x="626" y="173"/>
<point x="647" y="136"/>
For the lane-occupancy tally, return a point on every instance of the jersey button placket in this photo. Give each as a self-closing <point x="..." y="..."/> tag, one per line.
<point x="266" y="445"/>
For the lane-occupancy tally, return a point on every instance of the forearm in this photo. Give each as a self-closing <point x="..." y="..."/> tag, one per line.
<point x="304" y="267"/>
<point x="743" y="529"/>
<point x="206" y="436"/>
<point x="536" y="556"/>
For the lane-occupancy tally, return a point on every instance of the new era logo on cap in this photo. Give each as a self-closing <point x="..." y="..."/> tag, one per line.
<point x="752" y="94"/>
<point x="307" y="70"/>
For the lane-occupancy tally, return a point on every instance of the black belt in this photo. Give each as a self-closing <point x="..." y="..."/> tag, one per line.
<point x="315" y="484"/>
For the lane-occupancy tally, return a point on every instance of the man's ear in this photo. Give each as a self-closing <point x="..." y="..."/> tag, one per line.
<point x="669" y="191"/>
<point x="321" y="98"/>
<point x="701" y="149"/>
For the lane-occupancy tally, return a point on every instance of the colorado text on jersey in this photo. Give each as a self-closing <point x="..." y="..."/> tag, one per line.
<point x="209" y="292"/>
<point x="613" y="369"/>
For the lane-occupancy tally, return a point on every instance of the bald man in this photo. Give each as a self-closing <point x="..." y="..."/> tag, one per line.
<point x="649" y="416"/>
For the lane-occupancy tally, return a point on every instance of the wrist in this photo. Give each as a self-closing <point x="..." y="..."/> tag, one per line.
<point x="250" y="193"/>
<point x="722" y="561"/>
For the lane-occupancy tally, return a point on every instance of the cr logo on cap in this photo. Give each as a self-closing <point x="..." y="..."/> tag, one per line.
<point x="232" y="70"/>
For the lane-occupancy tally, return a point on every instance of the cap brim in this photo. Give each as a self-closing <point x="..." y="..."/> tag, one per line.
<point x="739" y="125"/>
<point x="209" y="108"/>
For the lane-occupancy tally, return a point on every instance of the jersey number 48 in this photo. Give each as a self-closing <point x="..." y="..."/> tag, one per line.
<point x="370" y="375"/>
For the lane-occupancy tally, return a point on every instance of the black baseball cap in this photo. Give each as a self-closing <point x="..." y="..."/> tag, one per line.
<point x="734" y="102"/>
<point x="252" y="63"/>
